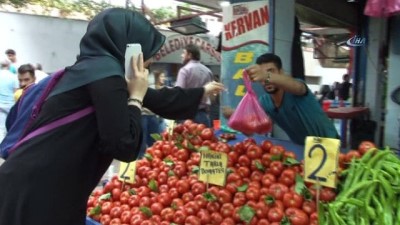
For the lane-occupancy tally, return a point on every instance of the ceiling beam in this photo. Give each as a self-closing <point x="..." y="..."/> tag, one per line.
<point x="337" y="12"/>
<point x="201" y="4"/>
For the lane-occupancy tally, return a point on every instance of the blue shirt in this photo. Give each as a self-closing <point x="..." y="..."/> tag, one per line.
<point x="299" y="116"/>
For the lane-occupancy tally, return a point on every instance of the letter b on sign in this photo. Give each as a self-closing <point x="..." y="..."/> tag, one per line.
<point x="244" y="57"/>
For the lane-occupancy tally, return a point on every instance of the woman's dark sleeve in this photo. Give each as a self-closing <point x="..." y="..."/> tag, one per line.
<point x="119" y="125"/>
<point x="174" y="103"/>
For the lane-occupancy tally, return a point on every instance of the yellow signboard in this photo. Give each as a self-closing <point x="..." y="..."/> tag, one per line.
<point x="127" y="172"/>
<point x="321" y="156"/>
<point x="213" y="167"/>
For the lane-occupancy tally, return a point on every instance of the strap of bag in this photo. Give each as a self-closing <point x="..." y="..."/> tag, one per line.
<point x="57" y="123"/>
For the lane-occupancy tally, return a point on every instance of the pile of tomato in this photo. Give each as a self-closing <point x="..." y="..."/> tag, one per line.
<point x="263" y="186"/>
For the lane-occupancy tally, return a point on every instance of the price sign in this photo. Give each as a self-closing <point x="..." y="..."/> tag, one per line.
<point x="321" y="157"/>
<point x="213" y="167"/>
<point x="127" y="172"/>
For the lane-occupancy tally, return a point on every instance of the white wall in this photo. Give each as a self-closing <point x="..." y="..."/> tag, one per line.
<point x="53" y="42"/>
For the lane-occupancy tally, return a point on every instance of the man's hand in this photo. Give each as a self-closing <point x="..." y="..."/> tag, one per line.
<point x="227" y="111"/>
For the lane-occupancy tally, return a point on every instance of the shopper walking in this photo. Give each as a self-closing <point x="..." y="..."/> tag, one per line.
<point x="193" y="75"/>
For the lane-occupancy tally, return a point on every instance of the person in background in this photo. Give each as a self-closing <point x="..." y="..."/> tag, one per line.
<point x="39" y="73"/>
<point x="288" y="101"/>
<point x="12" y="56"/>
<point x="8" y="85"/>
<point x="26" y="77"/>
<point x="48" y="179"/>
<point x="192" y="75"/>
<point x="152" y="123"/>
<point x="344" y="88"/>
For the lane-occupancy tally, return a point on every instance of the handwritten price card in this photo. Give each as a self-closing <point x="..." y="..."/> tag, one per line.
<point x="127" y="172"/>
<point x="321" y="156"/>
<point x="213" y="167"/>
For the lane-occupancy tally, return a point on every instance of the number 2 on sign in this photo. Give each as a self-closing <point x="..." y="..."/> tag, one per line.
<point x="321" y="160"/>
<point x="127" y="172"/>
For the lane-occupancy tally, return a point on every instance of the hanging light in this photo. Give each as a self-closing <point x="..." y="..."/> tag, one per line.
<point x="189" y="26"/>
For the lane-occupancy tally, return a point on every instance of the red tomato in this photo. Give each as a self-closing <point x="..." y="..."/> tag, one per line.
<point x="244" y="171"/>
<point x="224" y="196"/>
<point x="352" y="154"/>
<point x="254" y="152"/>
<point x="239" y="148"/>
<point x="105" y="219"/>
<point x="116" y="193"/>
<point x="182" y="155"/>
<point x="192" y="220"/>
<point x="198" y="188"/>
<point x="275" y="214"/>
<point x="213" y="206"/>
<point x="253" y="193"/>
<point x="268" y="179"/>
<point x="167" y="214"/>
<point x="364" y="146"/>
<point x="266" y="146"/>
<point x="327" y="194"/>
<point x="115" y="221"/>
<point x="126" y="216"/>
<point x="277" y="150"/>
<point x="239" y="199"/>
<point x="293" y="200"/>
<point x="263" y="222"/>
<point x="191" y="208"/>
<point x="156" y="208"/>
<point x="262" y="210"/>
<point x="244" y="161"/>
<point x="187" y="197"/>
<point x="309" y="207"/>
<point x="233" y="177"/>
<point x="227" y="210"/>
<point x="276" y="168"/>
<point x="216" y="218"/>
<point x="297" y="216"/>
<point x="180" y="217"/>
<point x="266" y="159"/>
<point x="134" y="200"/>
<point x="182" y="186"/>
<point x="201" y="201"/>
<point x="207" y="134"/>
<point x="277" y="190"/>
<point x="116" y="212"/>
<point x="204" y="216"/>
<point x="288" y="177"/>
<point x="164" y="199"/>
<point x="256" y="175"/>
<point x="106" y="207"/>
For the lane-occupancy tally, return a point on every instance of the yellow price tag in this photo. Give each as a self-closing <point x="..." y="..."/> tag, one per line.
<point x="321" y="158"/>
<point x="213" y="167"/>
<point x="127" y="172"/>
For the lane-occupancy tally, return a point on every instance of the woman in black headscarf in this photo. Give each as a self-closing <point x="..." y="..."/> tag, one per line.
<point x="48" y="179"/>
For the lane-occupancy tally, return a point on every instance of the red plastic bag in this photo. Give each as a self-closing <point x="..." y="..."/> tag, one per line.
<point x="249" y="117"/>
<point x="382" y="8"/>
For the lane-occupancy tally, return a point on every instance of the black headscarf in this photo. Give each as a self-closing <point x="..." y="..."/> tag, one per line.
<point x="102" y="48"/>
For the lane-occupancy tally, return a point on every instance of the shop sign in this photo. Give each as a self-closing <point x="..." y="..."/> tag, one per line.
<point x="172" y="49"/>
<point x="321" y="156"/>
<point x="213" y="167"/>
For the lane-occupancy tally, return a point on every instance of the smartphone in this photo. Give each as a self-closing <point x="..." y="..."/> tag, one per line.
<point x="133" y="49"/>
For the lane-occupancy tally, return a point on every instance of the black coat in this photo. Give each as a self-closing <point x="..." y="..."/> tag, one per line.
<point x="48" y="179"/>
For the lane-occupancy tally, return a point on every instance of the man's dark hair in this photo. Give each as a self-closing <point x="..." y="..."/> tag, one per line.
<point x="10" y="52"/>
<point x="193" y="50"/>
<point x="270" y="58"/>
<point x="26" y="68"/>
